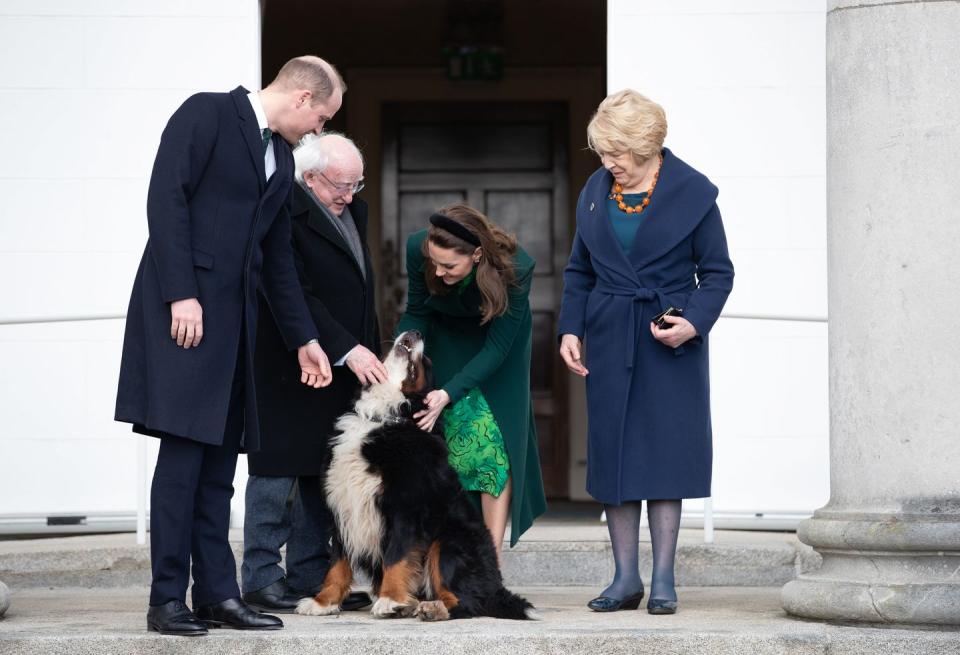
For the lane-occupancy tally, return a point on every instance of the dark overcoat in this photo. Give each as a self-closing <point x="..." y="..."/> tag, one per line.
<point x="295" y="419"/>
<point x="216" y="233"/>
<point x="648" y="405"/>
<point x="494" y="357"/>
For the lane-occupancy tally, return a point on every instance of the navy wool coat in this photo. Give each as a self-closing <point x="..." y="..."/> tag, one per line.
<point x="217" y="231"/>
<point x="648" y="405"/>
<point x="296" y="420"/>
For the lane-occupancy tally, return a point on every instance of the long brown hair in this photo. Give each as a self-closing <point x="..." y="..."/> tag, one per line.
<point x="495" y="274"/>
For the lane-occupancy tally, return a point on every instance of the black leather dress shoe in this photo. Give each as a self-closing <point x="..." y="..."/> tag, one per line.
<point x="607" y="604"/>
<point x="276" y="597"/>
<point x="661" y="606"/>
<point x="356" y="600"/>
<point x="236" y="614"/>
<point x="174" y="618"/>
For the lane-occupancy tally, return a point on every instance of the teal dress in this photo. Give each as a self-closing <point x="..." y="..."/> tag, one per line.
<point x="625" y="225"/>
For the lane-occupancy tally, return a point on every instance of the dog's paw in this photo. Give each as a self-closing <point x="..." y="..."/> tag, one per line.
<point x="432" y="610"/>
<point x="310" y="607"/>
<point x="387" y="608"/>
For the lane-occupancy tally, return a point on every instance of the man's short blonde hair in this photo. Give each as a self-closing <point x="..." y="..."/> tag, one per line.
<point x="627" y="121"/>
<point x="312" y="73"/>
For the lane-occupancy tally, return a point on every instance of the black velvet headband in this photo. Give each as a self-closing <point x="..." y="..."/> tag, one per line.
<point x="446" y="223"/>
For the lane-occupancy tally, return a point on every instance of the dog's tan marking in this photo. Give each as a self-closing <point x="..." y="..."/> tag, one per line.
<point x="335" y="588"/>
<point x="435" y="577"/>
<point x="399" y="586"/>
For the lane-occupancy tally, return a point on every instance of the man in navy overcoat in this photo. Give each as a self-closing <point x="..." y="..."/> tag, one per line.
<point x="219" y="230"/>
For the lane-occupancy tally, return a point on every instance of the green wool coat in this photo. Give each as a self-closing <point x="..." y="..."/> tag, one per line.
<point x="494" y="357"/>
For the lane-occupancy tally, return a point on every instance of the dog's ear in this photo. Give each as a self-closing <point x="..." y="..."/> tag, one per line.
<point x="413" y="405"/>
<point x="427" y="374"/>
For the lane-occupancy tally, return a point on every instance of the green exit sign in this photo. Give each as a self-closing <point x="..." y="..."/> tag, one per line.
<point x="473" y="63"/>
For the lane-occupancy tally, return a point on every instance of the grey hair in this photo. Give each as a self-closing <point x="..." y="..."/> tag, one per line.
<point x="316" y="153"/>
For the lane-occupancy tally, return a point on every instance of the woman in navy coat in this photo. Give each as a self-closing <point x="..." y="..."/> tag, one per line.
<point x="649" y="237"/>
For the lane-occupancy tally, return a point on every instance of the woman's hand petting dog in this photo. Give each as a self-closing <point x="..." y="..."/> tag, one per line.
<point x="435" y="401"/>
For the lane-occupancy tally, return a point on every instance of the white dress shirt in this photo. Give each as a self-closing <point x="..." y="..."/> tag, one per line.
<point x="269" y="159"/>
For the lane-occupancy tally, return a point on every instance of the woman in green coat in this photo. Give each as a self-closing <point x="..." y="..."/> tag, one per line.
<point x="469" y="296"/>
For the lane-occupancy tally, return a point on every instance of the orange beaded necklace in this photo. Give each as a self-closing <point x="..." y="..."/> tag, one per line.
<point x="617" y="194"/>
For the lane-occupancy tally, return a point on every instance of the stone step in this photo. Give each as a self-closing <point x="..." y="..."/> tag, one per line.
<point x="719" y="621"/>
<point x="547" y="555"/>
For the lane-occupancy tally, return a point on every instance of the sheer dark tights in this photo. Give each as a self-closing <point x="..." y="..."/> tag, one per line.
<point x="623" y="523"/>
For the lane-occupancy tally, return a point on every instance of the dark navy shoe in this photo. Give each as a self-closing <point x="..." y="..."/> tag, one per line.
<point x="356" y="600"/>
<point x="276" y="597"/>
<point x="661" y="606"/>
<point x="174" y="618"/>
<point x="607" y="604"/>
<point x="236" y="614"/>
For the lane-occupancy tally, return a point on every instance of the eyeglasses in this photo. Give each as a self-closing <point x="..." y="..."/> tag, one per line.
<point x="344" y="189"/>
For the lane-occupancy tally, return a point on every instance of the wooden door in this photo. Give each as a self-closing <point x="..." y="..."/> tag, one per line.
<point x="509" y="161"/>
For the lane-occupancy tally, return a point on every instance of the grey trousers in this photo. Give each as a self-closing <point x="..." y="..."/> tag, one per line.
<point x="270" y="522"/>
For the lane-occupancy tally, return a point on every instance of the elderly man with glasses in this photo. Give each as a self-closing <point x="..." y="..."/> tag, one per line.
<point x="330" y="247"/>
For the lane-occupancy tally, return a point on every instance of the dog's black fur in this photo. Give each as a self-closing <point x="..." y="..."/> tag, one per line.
<point x="424" y="509"/>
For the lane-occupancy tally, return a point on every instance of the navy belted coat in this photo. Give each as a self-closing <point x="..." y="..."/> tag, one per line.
<point x="648" y="405"/>
<point x="218" y="231"/>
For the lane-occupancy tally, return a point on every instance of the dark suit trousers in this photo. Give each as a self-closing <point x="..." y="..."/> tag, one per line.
<point x="190" y="512"/>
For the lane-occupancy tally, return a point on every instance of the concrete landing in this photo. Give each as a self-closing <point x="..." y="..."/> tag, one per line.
<point x="721" y="621"/>
<point x="567" y="555"/>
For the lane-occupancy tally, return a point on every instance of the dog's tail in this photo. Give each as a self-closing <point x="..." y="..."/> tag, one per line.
<point x="505" y="604"/>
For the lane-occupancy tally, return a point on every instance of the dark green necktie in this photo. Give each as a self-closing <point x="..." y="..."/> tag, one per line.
<point x="266" y="136"/>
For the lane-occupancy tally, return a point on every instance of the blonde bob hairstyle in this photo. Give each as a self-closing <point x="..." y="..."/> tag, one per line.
<point x="627" y="121"/>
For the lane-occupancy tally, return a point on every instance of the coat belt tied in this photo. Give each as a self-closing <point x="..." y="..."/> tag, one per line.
<point x="639" y="295"/>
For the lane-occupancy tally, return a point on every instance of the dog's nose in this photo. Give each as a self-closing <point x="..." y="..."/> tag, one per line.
<point x="415" y="334"/>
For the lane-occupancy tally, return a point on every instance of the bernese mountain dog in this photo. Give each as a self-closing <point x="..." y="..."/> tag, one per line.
<point x="401" y="515"/>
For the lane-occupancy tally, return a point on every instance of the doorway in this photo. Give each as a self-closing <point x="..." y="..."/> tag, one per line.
<point x="509" y="160"/>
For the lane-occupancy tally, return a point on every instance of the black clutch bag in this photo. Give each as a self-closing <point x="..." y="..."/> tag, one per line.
<point x="669" y="311"/>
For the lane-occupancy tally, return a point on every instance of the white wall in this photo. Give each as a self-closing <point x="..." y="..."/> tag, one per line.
<point x="85" y="90"/>
<point x="743" y="85"/>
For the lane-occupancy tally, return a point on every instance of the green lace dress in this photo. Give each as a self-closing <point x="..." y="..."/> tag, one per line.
<point x="477" y="451"/>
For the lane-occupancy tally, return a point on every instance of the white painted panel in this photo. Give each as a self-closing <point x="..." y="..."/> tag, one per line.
<point x="41" y="216"/>
<point x="115" y="215"/>
<point x="51" y="285"/>
<point x="89" y="87"/>
<point x="695" y="7"/>
<point x="46" y="52"/>
<point x="155" y="55"/>
<point x="770" y="415"/>
<point x="779" y="282"/>
<point x="69" y="476"/>
<point x="58" y="387"/>
<point x="179" y="8"/>
<point x="114" y="134"/>
<point x="773" y="212"/>
<point x="752" y="132"/>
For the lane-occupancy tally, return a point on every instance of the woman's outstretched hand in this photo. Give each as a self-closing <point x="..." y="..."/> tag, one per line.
<point x="570" y="352"/>
<point x="435" y="401"/>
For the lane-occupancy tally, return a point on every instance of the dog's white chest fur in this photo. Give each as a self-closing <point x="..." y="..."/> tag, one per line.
<point x="352" y="491"/>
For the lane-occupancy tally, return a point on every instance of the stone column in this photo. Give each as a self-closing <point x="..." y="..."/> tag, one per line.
<point x="890" y="534"/>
